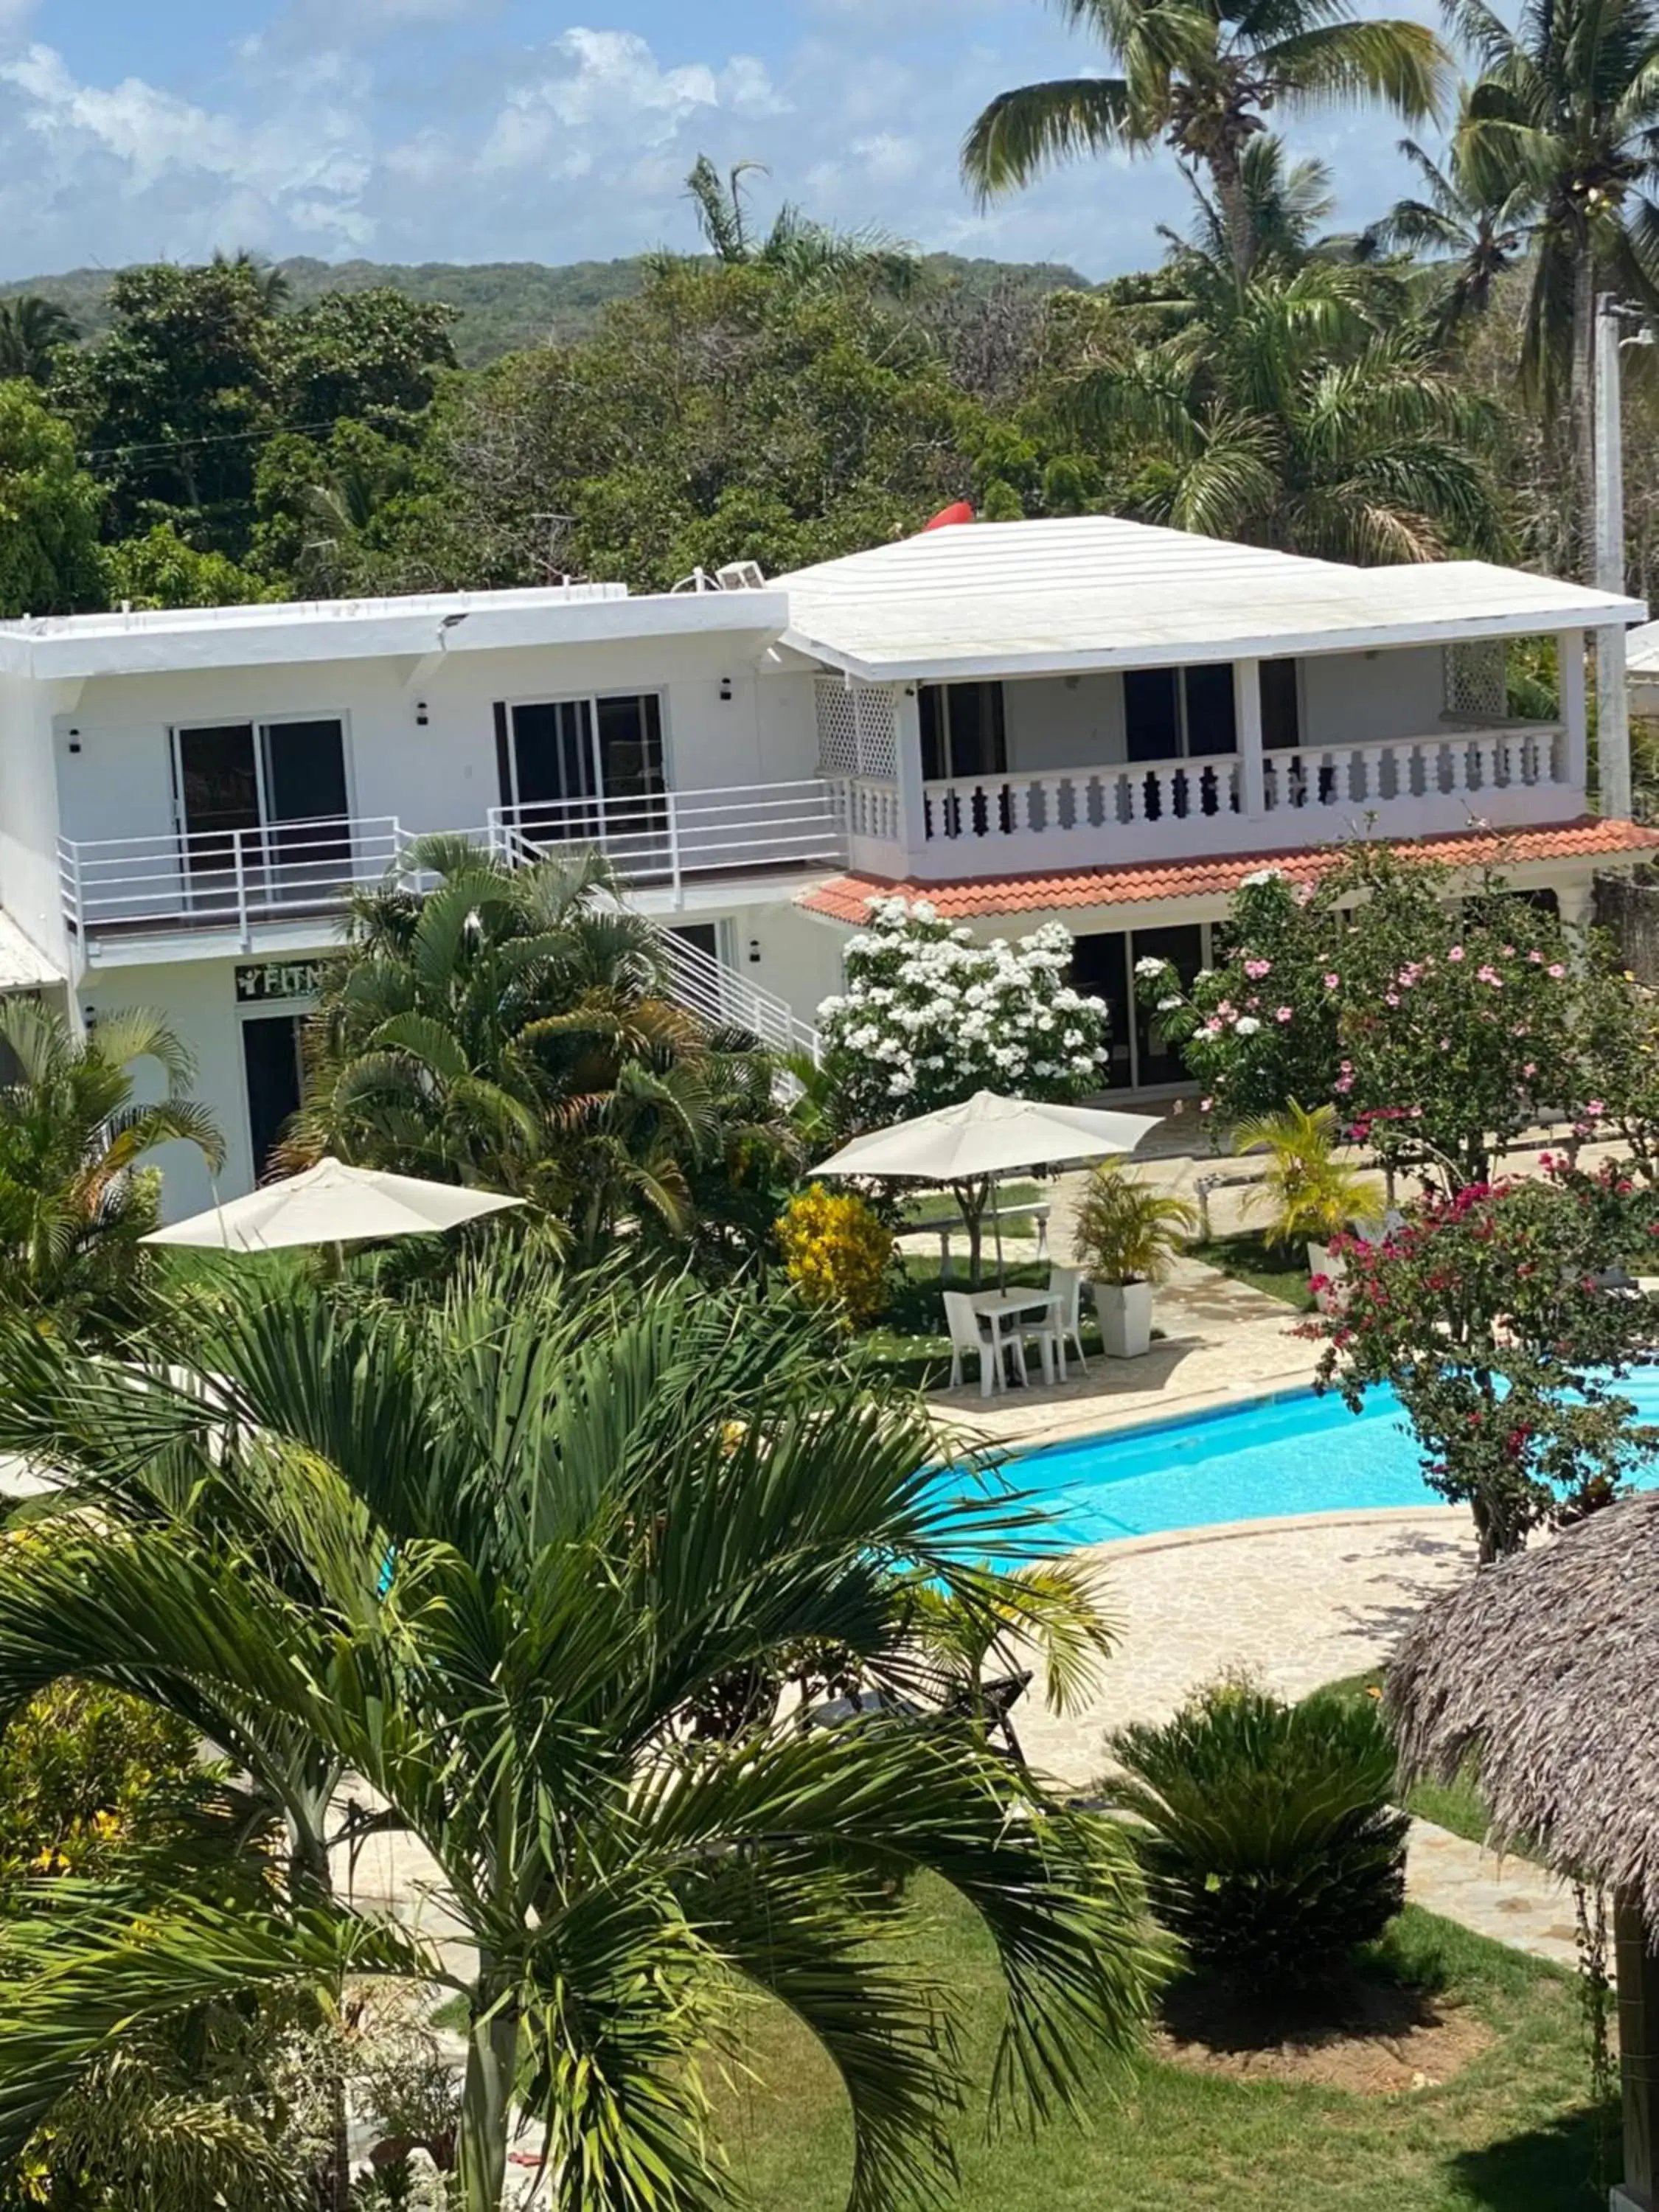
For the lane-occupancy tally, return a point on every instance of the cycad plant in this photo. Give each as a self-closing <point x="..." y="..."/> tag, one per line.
<point x="1307" y="1195"/>
<point x="488" y="1555"/>
<point x="1271" y="1846"/>
<point x="1200" y="79"/>
<point x="75" y="1196"/>
<point x="1126" y="1231"/>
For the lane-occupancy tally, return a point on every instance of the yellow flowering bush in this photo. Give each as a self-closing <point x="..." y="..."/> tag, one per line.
<point x="836" y="1252"/>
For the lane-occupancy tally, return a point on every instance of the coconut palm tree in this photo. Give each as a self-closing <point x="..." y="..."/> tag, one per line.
<point x="1285" y="203"/>
<point x="1303" y="414"/>
<point x="488" y="1554"/>
<point x="1564" y="122"/>
<point x="805" y="255"/>
<point x="1471" y="240"/>
<point x="75" y="1198"/>
<point x="31" y="331"/>
<point x="1201" y="80"/>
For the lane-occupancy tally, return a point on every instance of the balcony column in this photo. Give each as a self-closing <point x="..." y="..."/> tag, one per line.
<point x="907" y="773"/>
<point x="1570" y="680"/>
<point x="1611" y="723"/>
<point x="1247" y="723"/>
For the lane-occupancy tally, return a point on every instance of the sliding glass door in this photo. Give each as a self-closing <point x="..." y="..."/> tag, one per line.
<point x="587" y="771"/>
<point x="262" y="807"/>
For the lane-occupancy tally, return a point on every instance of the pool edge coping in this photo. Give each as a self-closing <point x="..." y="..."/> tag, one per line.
<point x="1283" y="1524"/>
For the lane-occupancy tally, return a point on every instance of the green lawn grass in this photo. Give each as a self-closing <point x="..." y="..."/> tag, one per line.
<point x="1281" y="1272"/>
<point x="1512" y="2131"/>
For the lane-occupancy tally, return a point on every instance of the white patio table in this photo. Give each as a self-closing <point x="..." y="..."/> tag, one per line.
<point x="1002" y="1309"/>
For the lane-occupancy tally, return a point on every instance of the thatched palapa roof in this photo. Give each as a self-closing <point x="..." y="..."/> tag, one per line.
<point x="1547" y="1668"/>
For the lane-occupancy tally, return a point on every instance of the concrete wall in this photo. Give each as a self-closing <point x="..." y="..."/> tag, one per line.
<point x="1057" y="722"/>
<point x="28" y="815"/>
<point x="120" y="783"/>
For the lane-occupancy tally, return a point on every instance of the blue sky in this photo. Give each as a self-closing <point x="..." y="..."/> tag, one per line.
<point x="500" y="130"/>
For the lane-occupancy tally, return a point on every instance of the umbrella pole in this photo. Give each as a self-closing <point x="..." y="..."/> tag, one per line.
<point x="993" y="1200"/>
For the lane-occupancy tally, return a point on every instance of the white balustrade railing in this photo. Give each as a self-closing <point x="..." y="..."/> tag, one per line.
<point x="869" y="809"/>
<point x="663" y="836"/>
<point x="979" y="808"/>
<point x="1452" y="764"/>
<point x="1467" y="765"/>
<point x="228" y="879"/>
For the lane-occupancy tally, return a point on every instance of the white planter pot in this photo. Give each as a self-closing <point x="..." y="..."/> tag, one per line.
<point x="1321" y="1261"/>
<point x="1125" y="1313"/>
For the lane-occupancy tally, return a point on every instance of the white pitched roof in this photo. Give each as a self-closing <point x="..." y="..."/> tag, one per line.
<point x="1094" y="591"/>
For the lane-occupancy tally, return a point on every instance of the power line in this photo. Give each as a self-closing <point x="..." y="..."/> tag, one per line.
<point x="210" y="438"/>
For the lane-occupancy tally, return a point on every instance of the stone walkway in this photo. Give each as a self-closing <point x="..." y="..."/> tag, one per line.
<point x="1509" y="1898"/>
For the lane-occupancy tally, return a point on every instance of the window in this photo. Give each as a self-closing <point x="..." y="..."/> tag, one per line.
<point x="265" y="798"/>
<point x="554" y="754"/>
<point x="1172" y="714"/>
<point x="962" y="731"/>
<point x="1281" y="715"/>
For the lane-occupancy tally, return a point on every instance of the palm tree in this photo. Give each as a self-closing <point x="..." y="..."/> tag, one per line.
<point x="805" y="255"/>
<point x="74" y="1198"/>
<point x="1473" y="241"/>
<point x="270" y="281"/>
<point x="1285" y="203"/>
<point x="1564" y="122"/>
<point x="1200" y="79"/>
<point x="1308" y="1195"/>
<point x="509" y="1027"/>
<point x="488" y="1554"/>
<point x="31" y="331"/>
<point x="1302" y="414"/>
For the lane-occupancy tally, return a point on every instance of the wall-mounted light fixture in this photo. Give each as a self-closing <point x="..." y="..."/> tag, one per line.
<point x="725" y="688"/>
<point x="755" y="951"/>
<point x="75" y="741"/>
<point x="421" y="717"/>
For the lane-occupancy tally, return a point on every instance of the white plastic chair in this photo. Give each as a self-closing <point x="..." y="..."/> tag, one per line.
<point x="1066" y="1314"/>
<point x="977" y="1332"/>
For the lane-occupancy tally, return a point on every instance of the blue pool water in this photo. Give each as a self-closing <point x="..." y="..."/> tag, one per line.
<point x="1295" y="1453"/>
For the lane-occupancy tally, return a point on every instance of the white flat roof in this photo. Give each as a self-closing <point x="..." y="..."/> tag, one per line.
<point x="348" y="629"/>
<point x="1095" y="592"/>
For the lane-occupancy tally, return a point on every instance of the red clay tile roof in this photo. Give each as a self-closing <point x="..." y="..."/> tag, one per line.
<point x="846" y="897"/>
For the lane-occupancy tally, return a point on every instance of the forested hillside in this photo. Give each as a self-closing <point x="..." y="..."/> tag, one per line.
<point x="503" y="306"/>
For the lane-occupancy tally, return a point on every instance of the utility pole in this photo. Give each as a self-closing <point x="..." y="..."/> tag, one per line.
<point x="1612" y="701"/>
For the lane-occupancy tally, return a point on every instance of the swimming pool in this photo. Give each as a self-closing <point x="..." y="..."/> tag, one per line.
<point x="1294" y="1454"/>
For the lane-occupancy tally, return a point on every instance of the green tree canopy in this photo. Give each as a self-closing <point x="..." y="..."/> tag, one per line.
<point x="49" y="513"/>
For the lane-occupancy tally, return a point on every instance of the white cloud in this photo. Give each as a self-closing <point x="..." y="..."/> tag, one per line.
<point x="415" y="130"/>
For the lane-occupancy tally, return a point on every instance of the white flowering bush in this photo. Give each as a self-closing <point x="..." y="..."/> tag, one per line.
<point x="929" y="1016"/>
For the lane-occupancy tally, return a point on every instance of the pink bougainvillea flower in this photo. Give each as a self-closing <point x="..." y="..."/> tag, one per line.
<point x="1536" y="958"/>
<point x="1255" y="969"/>
<point x="1557" y="969"/>
<point x="1457" y="952"/>
<point x="1391" y="998"/>
<point x="1281" y="1014"/>
<point x="1344" y="1086"/>
<point x="1332" y="979"/>
<point x="1596" y="1106"/>
<point x="1530" y="1069"/>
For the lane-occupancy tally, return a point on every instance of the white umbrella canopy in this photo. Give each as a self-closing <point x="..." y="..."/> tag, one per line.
<point x="989" y="1135"/>
<point x="330" y="1204"/>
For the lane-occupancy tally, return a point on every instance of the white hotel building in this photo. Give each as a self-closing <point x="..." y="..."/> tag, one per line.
<point x="1084" y="719"/>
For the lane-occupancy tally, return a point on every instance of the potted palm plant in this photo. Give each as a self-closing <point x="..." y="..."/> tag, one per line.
<point x="1125" y="1236"/>
<point x="1307" y="1195"/>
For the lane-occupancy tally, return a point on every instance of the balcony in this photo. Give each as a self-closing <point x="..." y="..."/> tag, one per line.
<point x="1099" y="817"/>
<point x="281" y="886"/>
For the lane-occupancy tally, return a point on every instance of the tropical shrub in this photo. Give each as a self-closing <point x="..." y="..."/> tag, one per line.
<point x="75" y="1199"/>
<point x="1270" y="1845"/>
<point x="836" y="1252"/>
<point x="86" y="1773"/>
<point x="1437" y="1029"/>
<point x="1486" y="1314"/>
<point x="1128" y="1231"/>
<point x="1307" y="1193"/>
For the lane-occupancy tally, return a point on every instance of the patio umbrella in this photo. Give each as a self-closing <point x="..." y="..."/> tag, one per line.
<point x="330" y="1204"/>
<point x="989" y="1136"/>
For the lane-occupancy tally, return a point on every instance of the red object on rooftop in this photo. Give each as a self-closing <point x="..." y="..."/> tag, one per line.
<point x="960" y="510"/>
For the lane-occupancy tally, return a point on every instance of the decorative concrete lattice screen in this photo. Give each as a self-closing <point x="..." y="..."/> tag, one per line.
<point x="1475" y="680"/>
<point x="856" y="735"/>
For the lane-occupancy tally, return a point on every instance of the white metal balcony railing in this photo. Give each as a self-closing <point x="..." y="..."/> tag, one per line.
<point x="1334" y="780"/>
<point x="665" y="837"/>
<point x="229" y="879"/>
<point x="237" y="881"/>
